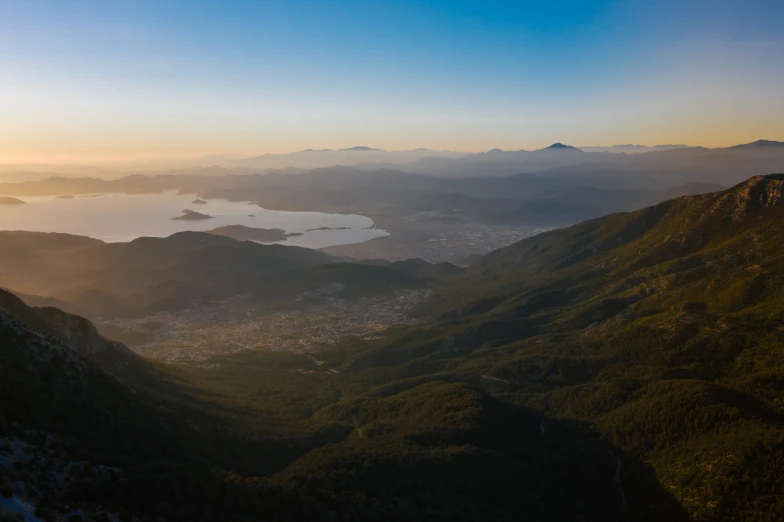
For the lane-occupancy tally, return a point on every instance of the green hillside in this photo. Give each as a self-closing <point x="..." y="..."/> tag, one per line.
<point x="662" y="328"/>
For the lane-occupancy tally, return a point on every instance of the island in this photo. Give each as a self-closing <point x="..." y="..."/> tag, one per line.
<point x="65" y="196"/>
<point x="199" y="202"/>
<point x="11" y="201"/>
<point x="191" y="215"/>
<point x="243" y="233"/>
<point x="327" y="228"/>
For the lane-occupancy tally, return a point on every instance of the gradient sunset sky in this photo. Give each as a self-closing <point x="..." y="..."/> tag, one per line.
<point x="117" y="79"/>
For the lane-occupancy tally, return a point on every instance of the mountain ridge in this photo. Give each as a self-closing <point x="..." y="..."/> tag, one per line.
<point x="144" y="274"/>
<point x="660" y="327"/>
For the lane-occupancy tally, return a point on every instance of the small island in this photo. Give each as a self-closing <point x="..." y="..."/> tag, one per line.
<point x="326" y="228"/>
<point x="243" y="233"/>
<point x="65" y="196"/>
<point x="199" y="202"/>
<point x="11" y="201"/>
<point x="191" y="215"/>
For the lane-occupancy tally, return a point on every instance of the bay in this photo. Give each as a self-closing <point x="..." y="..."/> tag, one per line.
<point x="124" y="217"/>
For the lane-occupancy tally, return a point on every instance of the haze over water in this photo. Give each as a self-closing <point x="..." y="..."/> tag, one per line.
<point x="124" y="217"/>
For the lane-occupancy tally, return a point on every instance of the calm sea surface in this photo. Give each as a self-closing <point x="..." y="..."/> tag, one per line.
<point x="124" y="217"/>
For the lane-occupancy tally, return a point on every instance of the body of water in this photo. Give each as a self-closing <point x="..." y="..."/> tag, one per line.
<point x="124" y="217"/>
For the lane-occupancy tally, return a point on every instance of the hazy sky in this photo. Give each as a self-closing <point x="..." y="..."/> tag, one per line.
<point x="105" y="79"/>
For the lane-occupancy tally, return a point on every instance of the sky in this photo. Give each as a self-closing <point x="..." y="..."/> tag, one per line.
<point x="121" y="79"/>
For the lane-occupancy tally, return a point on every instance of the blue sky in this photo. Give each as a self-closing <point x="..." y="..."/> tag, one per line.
<point x="119" y="79"/>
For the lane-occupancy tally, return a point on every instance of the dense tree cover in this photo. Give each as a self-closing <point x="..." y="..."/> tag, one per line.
<point x="662" y="328"/>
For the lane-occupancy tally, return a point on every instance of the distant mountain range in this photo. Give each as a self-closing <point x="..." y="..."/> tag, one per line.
<point x="420" y="160"/>
<point x="495" y="162"/>
<point x="662" y="168"/>
<point x="723" y="165"/>
<point x="759" y="144"/>
<point x="632" y="149"/>
<point x="309" y="159"/>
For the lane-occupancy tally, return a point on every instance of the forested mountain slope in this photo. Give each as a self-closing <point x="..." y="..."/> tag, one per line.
<point x="663" y="328"/>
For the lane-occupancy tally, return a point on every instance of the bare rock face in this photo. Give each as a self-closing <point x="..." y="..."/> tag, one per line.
<point x="754" y="194"/>
<point x="75" y="333"/>
<point x="81" y="335"/>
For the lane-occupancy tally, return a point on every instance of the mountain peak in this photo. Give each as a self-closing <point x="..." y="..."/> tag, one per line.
<point x="755" y="193"/>
<point x="760" y="144"/>
<point x="360" y="148"/>
<point x="560" y="147"/>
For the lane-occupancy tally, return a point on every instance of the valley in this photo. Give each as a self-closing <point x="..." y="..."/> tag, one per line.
<point x="308" y="323"/>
